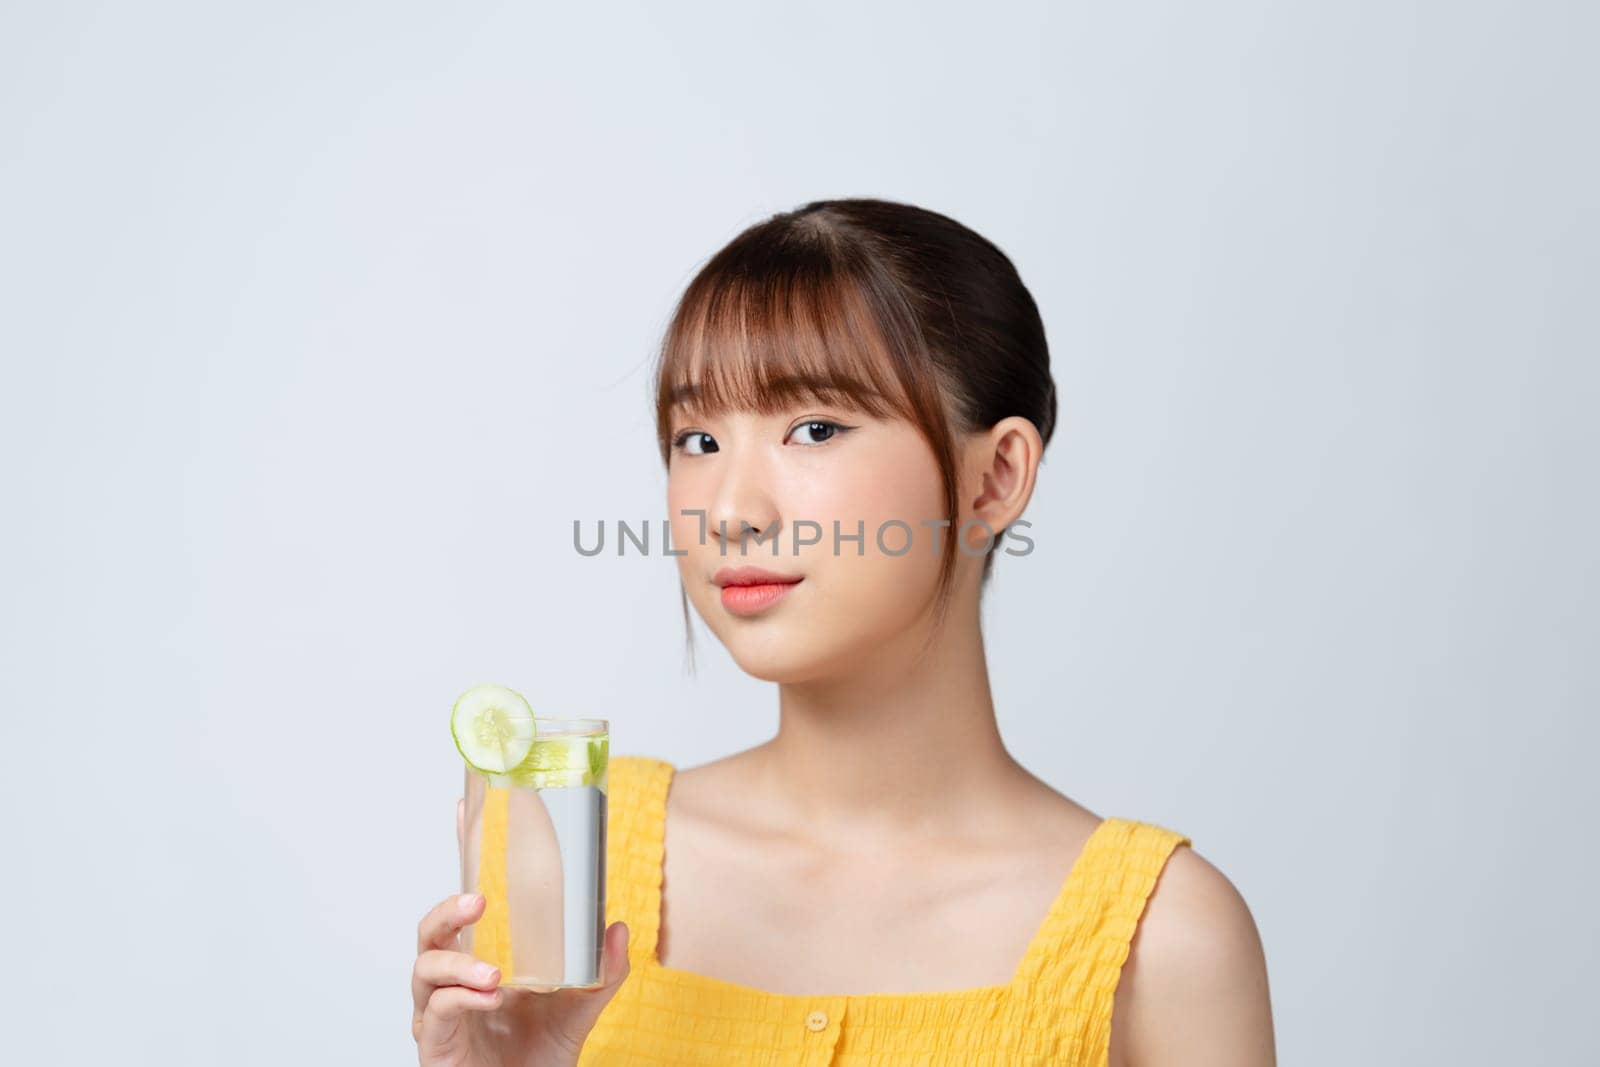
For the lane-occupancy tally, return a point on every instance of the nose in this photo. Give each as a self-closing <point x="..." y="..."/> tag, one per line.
<point x="743" y="507"/>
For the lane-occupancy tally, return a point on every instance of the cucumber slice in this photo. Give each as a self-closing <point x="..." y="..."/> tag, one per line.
<point x="559" y="761"/>
<point x="599" y="761"/>
<point x="493" y="728"/>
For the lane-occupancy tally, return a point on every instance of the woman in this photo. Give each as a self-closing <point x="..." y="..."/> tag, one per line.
<point x="852" y="402"/>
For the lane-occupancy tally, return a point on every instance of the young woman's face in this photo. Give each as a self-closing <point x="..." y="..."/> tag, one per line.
<point x="793" y="478"/>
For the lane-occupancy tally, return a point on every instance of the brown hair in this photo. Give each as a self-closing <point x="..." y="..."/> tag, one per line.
<point x="882" y="306"/>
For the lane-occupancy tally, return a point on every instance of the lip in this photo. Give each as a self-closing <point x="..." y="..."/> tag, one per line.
<point x="727" y="576"/>
<point x="751" y="590"/>
<point x="753" y="599"/>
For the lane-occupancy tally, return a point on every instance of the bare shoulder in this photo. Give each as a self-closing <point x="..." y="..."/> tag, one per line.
<point x="1193" y="989"/>
<point x="700" y="789"/>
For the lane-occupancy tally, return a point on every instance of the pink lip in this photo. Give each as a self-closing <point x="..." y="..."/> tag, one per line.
<point x="751" y="576"/>
<point x="752" y="599"/>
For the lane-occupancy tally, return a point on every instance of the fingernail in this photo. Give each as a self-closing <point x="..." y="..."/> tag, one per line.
<point x="485" y="973"/>
<point x="468" y="900"/>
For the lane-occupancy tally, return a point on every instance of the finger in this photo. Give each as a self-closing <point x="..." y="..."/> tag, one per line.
<point x="614" y="954"/>
<point x="441" y="967"/>
<point x="614" y="971"/>
<point x="439" y="1020"/>
<point x="438" y="928"/>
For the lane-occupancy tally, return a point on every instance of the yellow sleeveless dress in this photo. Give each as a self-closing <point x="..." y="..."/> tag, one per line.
<point x="1056" y="1010"/>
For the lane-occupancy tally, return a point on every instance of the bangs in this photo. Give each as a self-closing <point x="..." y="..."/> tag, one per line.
<point x="765" y="329"/>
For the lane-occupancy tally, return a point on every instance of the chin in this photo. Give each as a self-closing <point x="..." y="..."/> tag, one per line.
<point x="772" y="658"/>
<point x="782" y="657"/>
<point x="778" y="655"/>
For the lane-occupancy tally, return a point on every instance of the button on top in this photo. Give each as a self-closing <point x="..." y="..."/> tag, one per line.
<point x="817" y="1020"/>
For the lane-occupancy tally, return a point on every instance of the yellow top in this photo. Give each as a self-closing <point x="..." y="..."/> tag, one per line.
<point x="1056" y="1010"/>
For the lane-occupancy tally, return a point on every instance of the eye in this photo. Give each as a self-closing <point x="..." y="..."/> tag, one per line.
<point x="821" y="430"/>
<point x="682" y="442"/>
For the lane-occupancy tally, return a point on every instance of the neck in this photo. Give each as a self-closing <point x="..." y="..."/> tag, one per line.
<point x="902" y="743"/>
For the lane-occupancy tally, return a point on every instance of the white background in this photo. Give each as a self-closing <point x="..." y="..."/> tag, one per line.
<point x="323" y="322"/>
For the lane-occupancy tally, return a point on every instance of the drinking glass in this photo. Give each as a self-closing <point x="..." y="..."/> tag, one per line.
<point x="534" y="844"/>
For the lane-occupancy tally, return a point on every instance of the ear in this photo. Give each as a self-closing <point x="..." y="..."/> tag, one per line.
<point x="1001" y="464"/>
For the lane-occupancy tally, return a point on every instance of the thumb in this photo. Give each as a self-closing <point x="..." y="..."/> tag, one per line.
<point x="613" y="970"/>
<point x="586" y="1005"/>
<point x="613" y="960"/>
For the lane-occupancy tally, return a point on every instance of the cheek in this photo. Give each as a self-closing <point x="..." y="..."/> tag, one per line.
<point x="892" y="497"/>
<point x="685" y="528"/>
<point x="897" y="479"/>
<point x="688" y="542"/>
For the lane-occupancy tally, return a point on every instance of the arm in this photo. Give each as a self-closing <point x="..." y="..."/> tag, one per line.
<point x="1193" y="990"/>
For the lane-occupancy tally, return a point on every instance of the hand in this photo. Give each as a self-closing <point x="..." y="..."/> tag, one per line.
<point x="462" y="1017"/>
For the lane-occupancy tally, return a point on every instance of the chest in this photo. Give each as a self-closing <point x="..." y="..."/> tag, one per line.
<point x="786" y="921"/>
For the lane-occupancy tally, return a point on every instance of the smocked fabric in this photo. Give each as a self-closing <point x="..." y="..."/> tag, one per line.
<point x="1056" y="1010"/>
